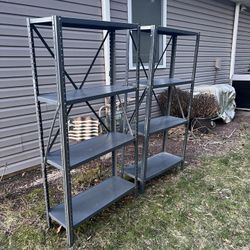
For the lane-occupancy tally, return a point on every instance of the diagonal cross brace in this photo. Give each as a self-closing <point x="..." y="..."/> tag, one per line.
<point x="141" y="62"/>
<point x="74" y="85"/>
<point x="164" y="51"/>
<point x="50" y="133"/>
<point x="94" y="59"/>
<point x="179" y="102"/>
<point x="125" y="115"/>
<point x="52" y="54"/>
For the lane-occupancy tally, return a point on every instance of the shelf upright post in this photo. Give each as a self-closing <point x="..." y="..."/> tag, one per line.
<point x="136" y="143"/>
<point x="63" y="122"/>
<point x="170" y="88"/>
<point x="197" y="42"/>
<point x="113" y="98"/>
<point x="124" y="124"/>
<point x="149" y="88"/>
<point x="39" y="118"/>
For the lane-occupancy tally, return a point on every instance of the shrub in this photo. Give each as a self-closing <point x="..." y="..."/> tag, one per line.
<point x="204" y="105"/>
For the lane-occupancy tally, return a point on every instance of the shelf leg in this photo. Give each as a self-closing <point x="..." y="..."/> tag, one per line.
<point x="136" y="156"/>
<point x="148" y="107"/>
<point x="46" y="193"/>
<point x="63" y="123"/>
<point x="30" y="29"/>
<point x="113" y="98"/>
<point x="164" y="140"/>
<point x="124" y="124"/>
<point x="170" y="89"/>
<point x="70" y="236"/>
<point x="185" y="145"/>
<point x="191" y="97"/>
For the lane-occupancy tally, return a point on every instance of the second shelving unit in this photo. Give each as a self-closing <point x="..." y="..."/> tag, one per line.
<point x="150" y="167"/>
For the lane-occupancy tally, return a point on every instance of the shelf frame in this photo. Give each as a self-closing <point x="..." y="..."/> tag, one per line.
<point x="61" y="89"/>
<point x="39" y="119"/>
<point x="151" y="83"/>
<point x="64" y="106"/>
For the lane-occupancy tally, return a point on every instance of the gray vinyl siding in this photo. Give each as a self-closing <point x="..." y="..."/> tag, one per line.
<point x="242" y="60"/>
<point x="214" y="20"/>
<point x="18" y="127"/>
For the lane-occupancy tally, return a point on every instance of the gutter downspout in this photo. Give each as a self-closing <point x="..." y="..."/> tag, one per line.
<point x="106" y="47"/>
<point x="234" y="41"/>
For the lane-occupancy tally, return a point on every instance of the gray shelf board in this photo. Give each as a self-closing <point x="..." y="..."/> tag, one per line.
<point x="85" y="23"/>
<point x="156" y="165"/>
<point x="161" y="82"/>
<point x="90" y="202"/>
<point x="161" y="123"/>
<point x="88" y="150"/>
<point x="94" y="24"/>
<point x="169" y="31"/>
<point x="87" y="93"/>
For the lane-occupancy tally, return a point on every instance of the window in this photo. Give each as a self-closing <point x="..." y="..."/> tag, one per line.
<point x="147" y="12"/>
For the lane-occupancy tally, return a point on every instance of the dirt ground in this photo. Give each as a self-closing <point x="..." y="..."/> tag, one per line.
<point x="217" y="142"/>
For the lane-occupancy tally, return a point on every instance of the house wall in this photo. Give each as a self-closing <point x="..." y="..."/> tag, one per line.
<point x="18" y="128"/>
<point x="242" y="58"/>
<point x="213" y="19"/>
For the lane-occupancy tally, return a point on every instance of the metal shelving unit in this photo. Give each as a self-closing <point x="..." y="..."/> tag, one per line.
<point x="150" y="167"/>
<point x="77" y="209"/>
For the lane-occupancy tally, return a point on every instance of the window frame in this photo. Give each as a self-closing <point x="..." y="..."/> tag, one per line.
<point x="163" y="23"/>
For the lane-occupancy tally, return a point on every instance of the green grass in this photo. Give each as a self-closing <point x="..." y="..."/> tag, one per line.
<point x="206" y="206"/>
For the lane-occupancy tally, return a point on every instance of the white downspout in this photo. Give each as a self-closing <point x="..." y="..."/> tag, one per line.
<point x="106" y="46"/>
<point x="234" y="41"/>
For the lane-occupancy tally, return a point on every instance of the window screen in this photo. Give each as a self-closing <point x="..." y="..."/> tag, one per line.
<point x="147" y="12"/>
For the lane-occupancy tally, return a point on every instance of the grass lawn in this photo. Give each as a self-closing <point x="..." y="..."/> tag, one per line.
<point x="205" y="206"/>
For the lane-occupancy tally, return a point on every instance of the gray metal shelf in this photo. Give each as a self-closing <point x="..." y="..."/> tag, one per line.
<point x="176" y="32"/>
<point x="161" y="82"/>
<point x="161" y="123"/>
<point x="156" y="165"/>
<point x="169" y="31"/>
<point x="88" y="150"/>
<point x="84" y="23"/>
<point x="75" y="210"/>
<point x="87" y="94"/>
<point x="90" y="202"/>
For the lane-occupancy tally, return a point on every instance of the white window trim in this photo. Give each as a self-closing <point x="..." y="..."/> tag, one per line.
<point x="164" y="23"/>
